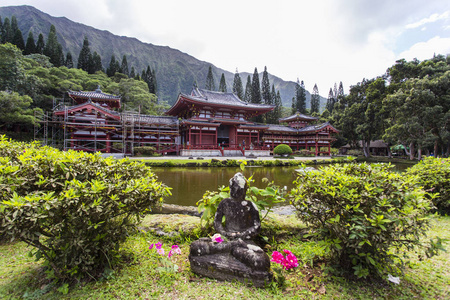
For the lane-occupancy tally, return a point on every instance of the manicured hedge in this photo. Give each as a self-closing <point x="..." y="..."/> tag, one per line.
<point x="282" y="149"/>
<point x="74" y="208"/>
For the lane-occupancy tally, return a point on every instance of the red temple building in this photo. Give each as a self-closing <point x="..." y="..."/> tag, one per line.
<point x="204" y="123"/>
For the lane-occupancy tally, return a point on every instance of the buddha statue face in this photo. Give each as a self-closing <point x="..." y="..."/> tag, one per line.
<point x="238" y="187"/>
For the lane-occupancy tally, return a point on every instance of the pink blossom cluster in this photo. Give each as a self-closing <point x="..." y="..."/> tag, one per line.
<point x="160" y="250"/>
<point x="288" y="262"/>
<point x="217" y="238"/>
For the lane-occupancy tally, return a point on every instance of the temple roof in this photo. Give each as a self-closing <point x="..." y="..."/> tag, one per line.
<point x="85" y="105"/>
<point x="217" y="100"/>
<point x="311" y="128"/>
<point x="95" y="96"/>
<point x="298" y="117"/>
<point x="147" y="119"/>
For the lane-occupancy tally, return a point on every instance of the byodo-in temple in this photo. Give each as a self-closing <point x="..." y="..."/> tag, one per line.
<point x="204" y="123"/>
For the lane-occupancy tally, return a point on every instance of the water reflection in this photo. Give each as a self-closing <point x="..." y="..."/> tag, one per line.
<point x="189" y="184"/>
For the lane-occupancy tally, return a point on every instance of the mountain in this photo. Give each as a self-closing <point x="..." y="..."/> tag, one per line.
<point x="175" y="71"/>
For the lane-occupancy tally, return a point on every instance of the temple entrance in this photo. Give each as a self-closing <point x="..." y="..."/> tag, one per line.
<point x="223" y="136"/>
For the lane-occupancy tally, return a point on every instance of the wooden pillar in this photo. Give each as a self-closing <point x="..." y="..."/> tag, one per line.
<point x="200" y="136"/>
<point x="108" y="142"/>
<point x="317" y="145"/>
<point x="329" y="148"/>
<point x="189" y="142"/>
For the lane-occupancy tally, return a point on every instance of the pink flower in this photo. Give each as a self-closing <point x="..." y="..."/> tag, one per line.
<point x="158" y="245"/>
<point x="277" y="257"/>
<point x="217" y="238"/>
<point x="160" y="250"/>
<point x="176" y="249"/>
<point x="151" y="246"/>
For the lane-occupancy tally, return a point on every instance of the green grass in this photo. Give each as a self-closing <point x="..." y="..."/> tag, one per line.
<point x="142" y="275"/>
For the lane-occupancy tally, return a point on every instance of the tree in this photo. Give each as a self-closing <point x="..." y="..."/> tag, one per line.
<point x="256" y="93"/>
<point x="30" y="46"/>
<point x="18" y="40"/>
<point x="315" y="100"/>
<point x="2" y="32"/>
<point x="85" y="56"/>
<point x="69" y="61"/>
<point x="40" y="44"/>
<point x="7" y="33"/>
<point x="11" y="67"/>
<point x="53" y="48"/>
<point x="248" y="90"/>
<point x="222" y="84"/>
<point x="15" y="110"/>
<point x="95" y="63"/>
<point x="210" y="85"/>
<point x="113" y="67"/>
<point x="132" y="73"/>
<point x="238" y="89"/>
<point x="265" y="88"/>
<point x="299" y="101"/>
<point x="124" y="66"/>
<point x="330" y="101"/>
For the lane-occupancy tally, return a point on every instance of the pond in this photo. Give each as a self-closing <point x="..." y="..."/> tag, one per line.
<point x="189" y="184"/>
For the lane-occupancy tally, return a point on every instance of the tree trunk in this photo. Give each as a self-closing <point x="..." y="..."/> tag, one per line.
<point x="406" y="149"/>
<point x="419" y="153"/>
<point x="435" y="149"/>
<point x="366" y="148"/>
<point x="389" y="153"/>
<point x="411" y="151"/>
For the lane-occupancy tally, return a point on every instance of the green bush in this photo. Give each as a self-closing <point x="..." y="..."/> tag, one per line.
<point x="74" y="208"/>
<point x="434" y="175"/>
<point x="355" y="152"/>
<point x="365" y="212"/>
<point x="144" y="151"/>
<point x="305" y="153"/>
<point x="282" y="149"/>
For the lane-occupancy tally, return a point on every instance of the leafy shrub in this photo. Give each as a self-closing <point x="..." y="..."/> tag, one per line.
<point x="282" y="149"/>
<point x="74" y="208"/>
<point x="354" y="152"/>
<point x="434" y="175"/>
<point x="144" y="151"/>
<point x="364" y="212"/>
<point x="305" y="153"/>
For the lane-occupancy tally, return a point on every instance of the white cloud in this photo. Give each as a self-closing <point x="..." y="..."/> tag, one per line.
<point x="426" y="50"/>
<point x="433" y="18"/>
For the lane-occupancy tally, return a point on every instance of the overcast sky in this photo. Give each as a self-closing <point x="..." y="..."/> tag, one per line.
<point x="319" y="42"/>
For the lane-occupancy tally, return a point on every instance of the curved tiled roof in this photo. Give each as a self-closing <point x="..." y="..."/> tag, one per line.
<point x="298" y="116"/>
<point x="93" y="95"/>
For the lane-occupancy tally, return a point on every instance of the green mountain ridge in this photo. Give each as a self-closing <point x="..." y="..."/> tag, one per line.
<point x="175" y="71"/>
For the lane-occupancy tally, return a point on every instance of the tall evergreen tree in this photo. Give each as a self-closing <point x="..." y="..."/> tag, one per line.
<point x="330" y="101"/>
<point x="222" y="84"/>
<point x="53" y="49"/>
<point x="265" y="88"/>
<point x="113" y="67"/>
<point x="278" y="106"/>
<point x="30" y="46"/>
<point x="132" y="73"/>
<point x="95" y="63"/>
<point x="340" y="93"/>
<point x="85" y="56"/>
<point x="300" y="97"/>
<point x="271" y="116"/>
<point x="210" y="85"/>
<point x="2" y="31"/>
<point x="7" y="35"/>
<point x="40" y="44"/>
<point x="238" y="89"/>
<point x="69" y="60"/>
<point x="124" y="66"/>
<point x="18" y="40"/>
<point x="14" y="25"/>
<point x="256" y="93"/>
<point x="315" y="100"/>
<point x="248" y="90"/>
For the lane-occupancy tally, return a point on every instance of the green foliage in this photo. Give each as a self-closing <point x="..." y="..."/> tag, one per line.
<point x="144" y="150"/>
<point x="282" y="149"/>
<point x="434" y="175"/>
<point x="264" y="199"/>
<point x="365" y="212"/>
<point x="74" y="208"/>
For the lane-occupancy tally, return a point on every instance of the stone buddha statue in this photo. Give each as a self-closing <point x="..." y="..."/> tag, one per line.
<point x="239" y="258"/>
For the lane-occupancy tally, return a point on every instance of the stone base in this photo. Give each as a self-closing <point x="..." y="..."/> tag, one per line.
<point x="223" y="266"/>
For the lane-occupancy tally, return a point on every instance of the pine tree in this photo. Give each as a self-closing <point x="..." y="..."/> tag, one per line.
<point x="14" y="25"/>
<point x="53" y="49"/>
<point x="95" y="63"/>
<point x="113" y="67"/>
<point x="132" y="73"/>
<point x="40" y="45"/>
<point x="7" y="34"/>
<point x="340" y="92"/>
<point x="30" y="46"/>
<point x="85" y="56"/>
<point x="69" y="60"/>
<point x="300" y="97"/>
<point x="271" y="116"/>
<point x="330" y="101"/>
<point x="248" y="90"/>
<point x="278" y="106"/>
<point x="294" y="103"/>
<point x="155" y="82"/>
<point x="210" y="85"/>
<point x="265" y="88"/>
<point x="18" y="40"/>
<point x="315" y="100"/>
<point x="222" y="84"/>
<point x="1" y="29"/>
<point x="256" y="93"/>
<point x="124" y="66"/>
<point x="238" y="89"/>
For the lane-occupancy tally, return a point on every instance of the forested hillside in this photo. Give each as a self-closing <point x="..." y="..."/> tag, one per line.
<point x="175" y="71"/>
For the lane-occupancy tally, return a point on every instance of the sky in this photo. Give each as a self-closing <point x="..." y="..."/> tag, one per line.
<point x="318" y="42"/>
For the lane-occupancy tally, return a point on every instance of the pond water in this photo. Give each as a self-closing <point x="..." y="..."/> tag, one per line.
<point x="189" y="184"/>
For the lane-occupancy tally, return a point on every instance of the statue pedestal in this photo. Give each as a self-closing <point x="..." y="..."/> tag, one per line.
<point x="223" y="266"/>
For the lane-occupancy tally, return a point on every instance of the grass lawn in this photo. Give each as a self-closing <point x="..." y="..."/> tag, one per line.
<point x="144" y="274"/>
